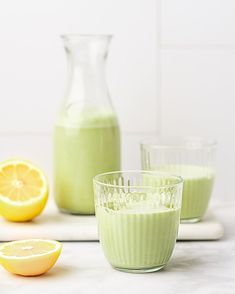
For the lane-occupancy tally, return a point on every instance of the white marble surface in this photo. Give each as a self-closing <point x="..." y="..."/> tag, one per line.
<point x="195" y="267"/>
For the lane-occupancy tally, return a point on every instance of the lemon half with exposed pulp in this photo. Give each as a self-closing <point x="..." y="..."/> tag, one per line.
<point x="29" y="257"/>
<point x="23" y="190"/>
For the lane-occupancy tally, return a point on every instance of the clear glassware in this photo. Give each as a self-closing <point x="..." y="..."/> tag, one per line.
<point x="86" y="133"/>
<point x="191" y="158"/>
<point x="138" y="214"/>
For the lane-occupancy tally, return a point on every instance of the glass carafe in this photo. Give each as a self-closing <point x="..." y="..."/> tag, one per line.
<point x="86" y="133"/>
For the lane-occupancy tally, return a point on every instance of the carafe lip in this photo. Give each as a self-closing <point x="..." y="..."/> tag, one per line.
<point x="74" y="36"/>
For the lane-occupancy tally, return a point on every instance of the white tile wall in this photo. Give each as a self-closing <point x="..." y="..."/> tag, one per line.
<point x="32" y="59"/>
<point x="33" y="69"/>
<point x="198" y="99"/>
<point x="197" y="74"/>
<point x="193" y="94"/>
<point x="198" y="91"/>
<point x="35" y="147"/>
<point x="198" y="22"/>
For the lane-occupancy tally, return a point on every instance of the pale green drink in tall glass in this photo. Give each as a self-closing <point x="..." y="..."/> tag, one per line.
<point x="80" y="153"/>
<point x="138" y="214"/>
<point x="86" y="133"/>
<point x="193" y="159"/>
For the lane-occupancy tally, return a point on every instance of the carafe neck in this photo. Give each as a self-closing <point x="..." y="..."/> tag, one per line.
<point x="86" y="82"/>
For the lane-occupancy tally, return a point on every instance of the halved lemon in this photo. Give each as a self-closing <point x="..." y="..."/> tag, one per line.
<point x="29" y="257"/>
<point x="23" y="190"/>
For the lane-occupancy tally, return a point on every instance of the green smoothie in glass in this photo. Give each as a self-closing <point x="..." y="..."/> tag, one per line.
<point x="138" y="238"/>
<point x="192" y="158"/>
<point x="198" y="184"/>
<point x="138" y="215"/>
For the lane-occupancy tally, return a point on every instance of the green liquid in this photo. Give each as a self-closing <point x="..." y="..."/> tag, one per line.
<point x="197" y="189"/>
<point x="81" y="151"/>
<point x="138" y="239"/>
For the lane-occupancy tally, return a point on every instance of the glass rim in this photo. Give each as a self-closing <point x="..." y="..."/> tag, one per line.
<point x="75" y="36"/>
<point x="179" y="179"/>
<point x="177" y="142"/>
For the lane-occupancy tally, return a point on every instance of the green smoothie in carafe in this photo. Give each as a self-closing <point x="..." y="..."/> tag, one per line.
<point x="86" y="133"/>
<point x="81" y="150"/>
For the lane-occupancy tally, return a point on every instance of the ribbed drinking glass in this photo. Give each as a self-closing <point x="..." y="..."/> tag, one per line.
<point x="191" y="158"/>
<point x="138" y="214"/>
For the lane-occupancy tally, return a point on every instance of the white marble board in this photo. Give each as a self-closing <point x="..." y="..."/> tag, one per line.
<point x="54" y="225"/>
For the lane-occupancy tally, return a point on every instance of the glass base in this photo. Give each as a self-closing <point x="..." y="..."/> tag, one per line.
<point x="140" y="271"/>
<point x="190" y="220"/>
<point x="74" y="212"/>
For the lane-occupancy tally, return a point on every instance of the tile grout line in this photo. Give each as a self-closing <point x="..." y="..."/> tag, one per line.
<point x="158" y="127"/>
<point x="196" y="46"/>
<point x="48" y="133"/>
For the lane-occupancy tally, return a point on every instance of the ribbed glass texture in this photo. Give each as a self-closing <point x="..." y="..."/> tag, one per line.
<point x="138" y="218"/>
<point x="192" y="159"/>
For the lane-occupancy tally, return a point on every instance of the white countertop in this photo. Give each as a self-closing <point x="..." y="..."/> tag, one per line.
<point x="195" y="267"/>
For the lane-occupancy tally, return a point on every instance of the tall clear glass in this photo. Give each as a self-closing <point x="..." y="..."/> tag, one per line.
<point x="86" y="133"/>
<point x="191" y="158"/>
<point x="138" y="214"/>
